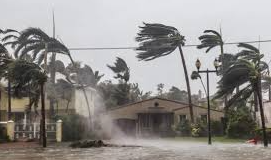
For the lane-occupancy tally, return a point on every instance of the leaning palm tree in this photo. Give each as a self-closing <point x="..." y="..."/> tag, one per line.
<point x="38" y="44"/>
<point x="23" y="73"/>
<point x="246" y="71"/>
<point x="158" y="40"/>
<point x="121" y="69"/>
<point x="210" y="40"/>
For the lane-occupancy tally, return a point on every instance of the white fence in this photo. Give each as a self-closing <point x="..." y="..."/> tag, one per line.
<point x="18" y="131"/>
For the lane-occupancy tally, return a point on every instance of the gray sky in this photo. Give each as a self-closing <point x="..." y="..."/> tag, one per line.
<point x="114" y="23"/>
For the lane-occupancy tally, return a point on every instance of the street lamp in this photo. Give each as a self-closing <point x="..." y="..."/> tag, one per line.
<point x="207" y="71"/>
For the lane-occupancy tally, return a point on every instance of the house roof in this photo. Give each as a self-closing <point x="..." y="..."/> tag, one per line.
<point x="163" y="99"/>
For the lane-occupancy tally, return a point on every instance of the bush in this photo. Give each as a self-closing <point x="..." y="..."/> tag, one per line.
<point x="184" y="128"/>
<point x="199" y="129"/>
<point x="241" y="124"/>
<point x="73" y="127"/>
<point x="217" y="128"/>
<point x="259" y="134"/>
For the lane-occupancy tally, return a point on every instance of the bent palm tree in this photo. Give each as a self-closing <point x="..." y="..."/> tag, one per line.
<point x="38" y="43"/>
<point x="121" y="70"/>
<point x="247" y="71"/>
<point x="122" y="91"/>
<point x="157" y="40"/>
<point x="23" y="73"/>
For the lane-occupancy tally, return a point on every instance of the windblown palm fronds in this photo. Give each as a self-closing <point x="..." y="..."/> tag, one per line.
<point x="157" y="40"/>
<point x="36" y="41"/>
<point x="210" y="40"/>
<point x="121" y="69"/>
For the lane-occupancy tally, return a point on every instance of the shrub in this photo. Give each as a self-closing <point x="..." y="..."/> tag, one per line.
<point x="73" y="127"/>
<point x="184" y="128"/>
<point x="199" y="129"/>
<point x="217" y="128"/>
<point x="258" y="133"/>
<point x="241" y="124"/>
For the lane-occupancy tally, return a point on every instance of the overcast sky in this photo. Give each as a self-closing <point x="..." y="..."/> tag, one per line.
<point x="114" y="23"/>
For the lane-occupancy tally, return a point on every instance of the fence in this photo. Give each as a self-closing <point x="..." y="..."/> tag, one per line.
<point x="17" y="131"/>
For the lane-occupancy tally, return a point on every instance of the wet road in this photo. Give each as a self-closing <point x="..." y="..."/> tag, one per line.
<point x="150" y="150"/>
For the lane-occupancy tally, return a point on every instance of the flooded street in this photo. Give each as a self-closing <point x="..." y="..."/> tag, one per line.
<point x="150" y="150"/>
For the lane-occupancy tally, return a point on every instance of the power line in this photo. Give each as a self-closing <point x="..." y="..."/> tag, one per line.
<point x="133" y="48"/>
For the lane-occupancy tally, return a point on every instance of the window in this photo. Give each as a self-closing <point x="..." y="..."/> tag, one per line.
<point x="182" y="118"/>
<point x="203" y="118"/>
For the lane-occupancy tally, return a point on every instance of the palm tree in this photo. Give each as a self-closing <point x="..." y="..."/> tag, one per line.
<point x="210" y="40"/>
<point x="121" y="69"/>
<point x="157" y="40"/>
<point x="122" y="72"/>
<point x="246" y="71"/>
<point x="23" y="73"/>
<point x="4" y="54"/>
<point x="9" y="38"/>
<point x="37" y="43"/>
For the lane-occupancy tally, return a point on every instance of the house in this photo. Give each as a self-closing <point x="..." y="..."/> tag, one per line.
<point x="155" y="116"/>
<point x="76" y="104"/>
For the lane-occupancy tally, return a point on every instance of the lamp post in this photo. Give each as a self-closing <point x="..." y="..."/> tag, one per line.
<point x="207" y="71"/>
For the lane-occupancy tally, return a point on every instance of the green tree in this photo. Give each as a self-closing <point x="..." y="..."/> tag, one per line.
<point x="176" y="94"/>
<point x="22" y="73"/>
<point x="160" y="89"/>
<point x="158" y="40"/>
<point x="247" y="71"/>
<point x="241" y="124"/>
<point x="9" y="38"/>
<point x="211" y="39"/>
<point x="37" y="43"/>
<point x="122" y="90"/>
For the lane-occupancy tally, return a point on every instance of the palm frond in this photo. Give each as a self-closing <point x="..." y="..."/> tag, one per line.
<point x="248" y="46"/>
<point x="157" y="40"/>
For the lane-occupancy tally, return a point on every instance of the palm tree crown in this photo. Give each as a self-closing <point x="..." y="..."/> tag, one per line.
<point x="35" y="40"/>
<point x="121" y="69"/>
<point x="157" y="40"/>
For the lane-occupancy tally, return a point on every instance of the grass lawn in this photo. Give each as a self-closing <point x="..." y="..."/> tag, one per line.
<point x="205" y="139"/>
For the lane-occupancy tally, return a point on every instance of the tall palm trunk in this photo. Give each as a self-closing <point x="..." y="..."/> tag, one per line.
<point x="9" y="100"/>
<point x="53" y="79"/>
<point x="43" y="127"/>
<point x="256" y="102"/>
<point x="259" y="94"/>
<point x="187" y="85"/>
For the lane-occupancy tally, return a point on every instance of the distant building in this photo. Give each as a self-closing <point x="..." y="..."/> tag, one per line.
<point x="155" y="116"/>
<point x="217" y="103"/>
<point x="267" y="114"/>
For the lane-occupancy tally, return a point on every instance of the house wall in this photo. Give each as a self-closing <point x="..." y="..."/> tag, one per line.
<point x="18" y="105"/>
<point x="267" y="114"/>
<point x="131" y="111"/>
<point x="198" y="111"/>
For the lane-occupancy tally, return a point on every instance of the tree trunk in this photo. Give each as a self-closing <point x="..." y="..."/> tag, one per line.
<point x="67" y="107"/>
<point x="259" y="94"/>
<point x="53" y="79"/>
<point x="43" y="127"/>
<point x="256" y="102"/>
<point x="9" y="100"/>
<point x="187" y="85"/>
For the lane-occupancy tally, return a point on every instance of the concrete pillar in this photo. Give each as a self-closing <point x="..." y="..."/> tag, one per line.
<point x="10" y="130"/>
<point x="59" y="131"/>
